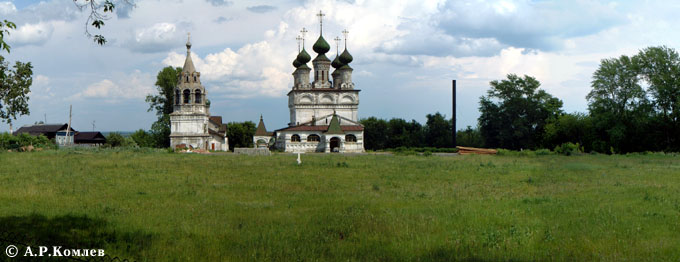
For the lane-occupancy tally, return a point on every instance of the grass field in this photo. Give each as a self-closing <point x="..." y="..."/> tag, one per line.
<point x="158" y="206"/>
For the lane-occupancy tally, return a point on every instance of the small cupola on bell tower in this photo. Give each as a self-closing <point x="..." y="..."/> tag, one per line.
<point x="321" y="63"/>
<point x="301" y="74"/>
<point x="189" y="90"/>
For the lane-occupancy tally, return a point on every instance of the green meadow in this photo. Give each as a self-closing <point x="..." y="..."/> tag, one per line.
<point x="158" y="206"/>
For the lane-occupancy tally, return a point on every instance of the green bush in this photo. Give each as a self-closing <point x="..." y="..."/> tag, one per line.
<point x="10" y="142"/>
<point x="118" y="140"/>
<point x="568" y="149"/>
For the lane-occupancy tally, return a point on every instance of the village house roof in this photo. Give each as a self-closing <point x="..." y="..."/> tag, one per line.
<point x="217" y="120"/>
<point x="89" y="138"/>
<point x="48" y="130"/>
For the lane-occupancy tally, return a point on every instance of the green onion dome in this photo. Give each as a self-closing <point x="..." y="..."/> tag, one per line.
<point x="303" y="57"/>
<point x="345" y="57"/>
<point x="336" y="62"/>
<point x="321" y="46"/>
<point x="296" y="63"/>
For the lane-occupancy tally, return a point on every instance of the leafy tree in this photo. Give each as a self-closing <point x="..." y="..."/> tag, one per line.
<point x="143" y="138"/>
<point x="241" y="134"/>
<point x="375" y="133"/>
<point x="162" y="103"/>
<point x="618" y="105"/>
<point x="469" y="137"/>
<point x="576" y="128"/>
<point x="515" y="112"/>
<point x="402" y="133"/>
<point x="660" y="68"/>
<point x="15" y="82"/>
<point x="438" y="131"/>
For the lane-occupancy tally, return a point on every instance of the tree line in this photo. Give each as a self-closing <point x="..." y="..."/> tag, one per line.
<point x="634" y="105"/>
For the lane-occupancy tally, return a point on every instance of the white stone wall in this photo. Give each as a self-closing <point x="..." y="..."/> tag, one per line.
<point x="305" y="105"/>
<point x="284" y="142"/>
<point x="266" y="140"/>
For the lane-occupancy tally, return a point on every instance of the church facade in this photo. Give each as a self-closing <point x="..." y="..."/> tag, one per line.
<point x="323" y="111"/>
<point x="191" y="125"/>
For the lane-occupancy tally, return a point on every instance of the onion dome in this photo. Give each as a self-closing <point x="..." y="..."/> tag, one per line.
<point x="336" y="62"/>
<point x="321" y="46"/>
<point x="296" y="63"/>
<point x="345" y="57"/>
<point x="303" y="57"/>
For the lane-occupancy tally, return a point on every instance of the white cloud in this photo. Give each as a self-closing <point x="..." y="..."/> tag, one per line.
<point x="7" y="8"/>
<point x="32" y="34"/>
<point x="132" y="86"/>
<point x="159" y="37"/>
<point x="254" y="69"/>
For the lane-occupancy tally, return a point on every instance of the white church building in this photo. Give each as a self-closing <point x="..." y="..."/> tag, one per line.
<point x="323" y="112"/>
<point x="191" y="125"/>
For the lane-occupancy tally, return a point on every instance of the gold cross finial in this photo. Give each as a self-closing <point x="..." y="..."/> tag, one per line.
<point x="304" y="32"/>
<point x="299" y="39"/>
<point x="337" y="44"/>
<point x="321" y="15"/>
<point x="345" y="32"/>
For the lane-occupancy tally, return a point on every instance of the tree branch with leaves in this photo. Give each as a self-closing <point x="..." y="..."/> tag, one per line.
<point x="98" y="13"/>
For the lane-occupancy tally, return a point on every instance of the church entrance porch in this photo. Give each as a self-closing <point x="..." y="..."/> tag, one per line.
<point x="335" y="145"/>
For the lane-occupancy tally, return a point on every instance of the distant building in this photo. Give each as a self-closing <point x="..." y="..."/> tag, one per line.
<point x="47" y="130"/>
<point x="90" y="139"/>
<point x="58" y="133"/>
<point x="191" y="125"/>
<point x="262" y="138"/>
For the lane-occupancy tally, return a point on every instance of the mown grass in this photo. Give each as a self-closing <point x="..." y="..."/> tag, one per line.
<point x="155" y="206"/>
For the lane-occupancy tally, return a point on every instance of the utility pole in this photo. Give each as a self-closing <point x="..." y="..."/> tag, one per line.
<point x="453" y="117"/>
<point x="92" y="125"/>
<point x="45" y="119"/>
<point x="68" y="127"/>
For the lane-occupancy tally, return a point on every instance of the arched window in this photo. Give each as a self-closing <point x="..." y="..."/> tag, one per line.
<point x="313" y="138"/>
<point x="195" y="79"/>
<point x="187" y="78"/>
<point x="350" y="138"/>
<point x="177" y="96"/>
<point x="295" y="138"/>
<point x="198" y="96"/>
<point x="187" y="96"/>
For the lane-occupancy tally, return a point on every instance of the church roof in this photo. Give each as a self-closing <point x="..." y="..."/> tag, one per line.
<point x="261" y="129"/>
<point x="334" y="127"/>
<point x="216" y="119"/>
<point x="321" y="128"/>
<point x="321" y="46"/>
<point x="188" y="63"/>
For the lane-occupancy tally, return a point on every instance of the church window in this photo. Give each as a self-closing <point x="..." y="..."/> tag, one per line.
<point x="195" y="79"/>
<point x="177" y="96"/>
<point x="187" y="96"/>
<point x="187" y="79"/>
<point x="295" y="138"/>
<point x="350" y="138"/>
<point x="313" y="138"/>
<point x="198" y="96"/>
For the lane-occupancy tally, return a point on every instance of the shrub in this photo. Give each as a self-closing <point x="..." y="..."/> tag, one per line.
<point x="118" y="140"/>
<point x="10" y="142"/>
<point x="567" y="149"/>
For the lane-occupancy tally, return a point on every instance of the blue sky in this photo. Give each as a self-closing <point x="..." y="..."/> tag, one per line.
<point x="405" y="53"/>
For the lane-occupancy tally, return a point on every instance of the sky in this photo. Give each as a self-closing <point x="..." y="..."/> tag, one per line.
<point x="406" y="52"/>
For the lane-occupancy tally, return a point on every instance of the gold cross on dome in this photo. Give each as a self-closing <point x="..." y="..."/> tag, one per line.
<point x="337" y="44"/>
<point x="299" y="39"/>
<point x="321" y="15"/>
<point x="345" y="32"/>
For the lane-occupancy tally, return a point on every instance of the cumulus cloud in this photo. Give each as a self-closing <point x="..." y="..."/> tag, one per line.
<point x="132" y="86"/>
<point x="159" y="37"/>
<point x="7" y="8"/>
<point x="252" y="70"/>
<point x="261" y="8"/>
<point x="539" y="25"/>
<point x="222" y="19"/>
<point x="32" y="34"/>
